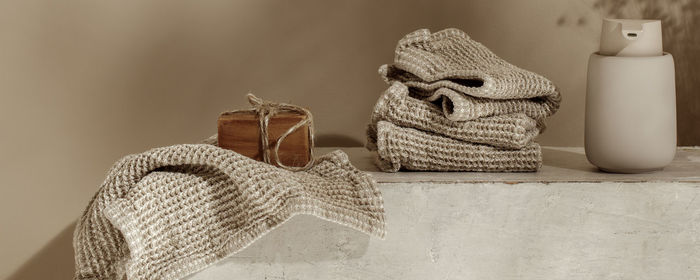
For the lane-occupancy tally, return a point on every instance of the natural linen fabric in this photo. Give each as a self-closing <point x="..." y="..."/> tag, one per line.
<point x="403" y="147"/>
<point x="453" y="105"/>
<point x="513" y="131"/>
<point x="172" y="211"/>
<point x="468" y="79"/>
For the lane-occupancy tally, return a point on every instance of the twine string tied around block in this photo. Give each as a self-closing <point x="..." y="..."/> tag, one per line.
<point x="266" y="110"/>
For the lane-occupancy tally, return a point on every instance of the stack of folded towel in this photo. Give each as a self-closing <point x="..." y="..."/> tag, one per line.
<point x="453" y="105"/>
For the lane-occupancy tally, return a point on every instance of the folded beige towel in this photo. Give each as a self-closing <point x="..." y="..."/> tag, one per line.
<point x="402" y="147"/>
<point x="488" y="115"/>
<point x="458" y="106"/>
<point x="512" y="131"/>
<point x="471" y="80"/>
<point x="172" y="211"/>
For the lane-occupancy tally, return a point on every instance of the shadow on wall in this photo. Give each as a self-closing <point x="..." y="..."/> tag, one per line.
<point x="54" y="261"/>
<point x="679" y="18"/>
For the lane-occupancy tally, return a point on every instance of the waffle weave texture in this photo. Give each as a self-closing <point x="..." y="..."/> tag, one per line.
<point x="403" y="147"/>
<point x="513" y="131"/>
<point x="469" y="80"/>
<point x="453" y="105"/>
<point x="172" y="211"/>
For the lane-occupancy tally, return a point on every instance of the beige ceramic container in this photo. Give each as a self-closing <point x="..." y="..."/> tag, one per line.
<point x="631" y="99"/>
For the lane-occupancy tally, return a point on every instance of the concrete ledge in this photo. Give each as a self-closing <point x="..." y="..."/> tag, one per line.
<point x="483" y="226"/>
<point x="560" y="164"/>
<point x="493" y="231"/>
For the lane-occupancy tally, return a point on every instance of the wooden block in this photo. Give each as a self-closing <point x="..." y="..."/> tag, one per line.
<point x="239" y="131"/>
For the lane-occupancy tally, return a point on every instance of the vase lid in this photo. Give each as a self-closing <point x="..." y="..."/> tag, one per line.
<point x="631" y="37"/>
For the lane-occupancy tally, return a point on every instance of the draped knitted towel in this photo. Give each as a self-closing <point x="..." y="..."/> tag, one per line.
<point x="172" y="211"/>
<point x="470" y="80"/>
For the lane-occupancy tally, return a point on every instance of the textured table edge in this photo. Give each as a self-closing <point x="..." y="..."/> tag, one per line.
<point x="560" y="165"/>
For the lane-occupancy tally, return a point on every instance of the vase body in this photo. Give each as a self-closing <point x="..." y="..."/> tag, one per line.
<point x="630" y="123"/>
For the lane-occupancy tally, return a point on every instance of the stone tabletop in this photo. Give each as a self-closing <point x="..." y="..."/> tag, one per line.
<point x="567" y="221"/>
<point x="560" y="164"/>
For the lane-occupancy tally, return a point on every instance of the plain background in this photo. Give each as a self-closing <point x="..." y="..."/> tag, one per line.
<point x="83" y="83"/>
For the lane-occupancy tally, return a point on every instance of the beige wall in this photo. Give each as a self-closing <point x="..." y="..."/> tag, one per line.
<point x="83" y="83"/>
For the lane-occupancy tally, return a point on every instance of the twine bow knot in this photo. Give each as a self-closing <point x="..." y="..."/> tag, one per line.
<point x="265" y="110"/>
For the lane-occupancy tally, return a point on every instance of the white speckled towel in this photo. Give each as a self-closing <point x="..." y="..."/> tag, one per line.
<point x="172" y="211"/>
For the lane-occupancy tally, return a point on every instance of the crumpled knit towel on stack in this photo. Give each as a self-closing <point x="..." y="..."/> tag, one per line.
<point x="488" y="115"/>
<point x="172" y="211"/>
